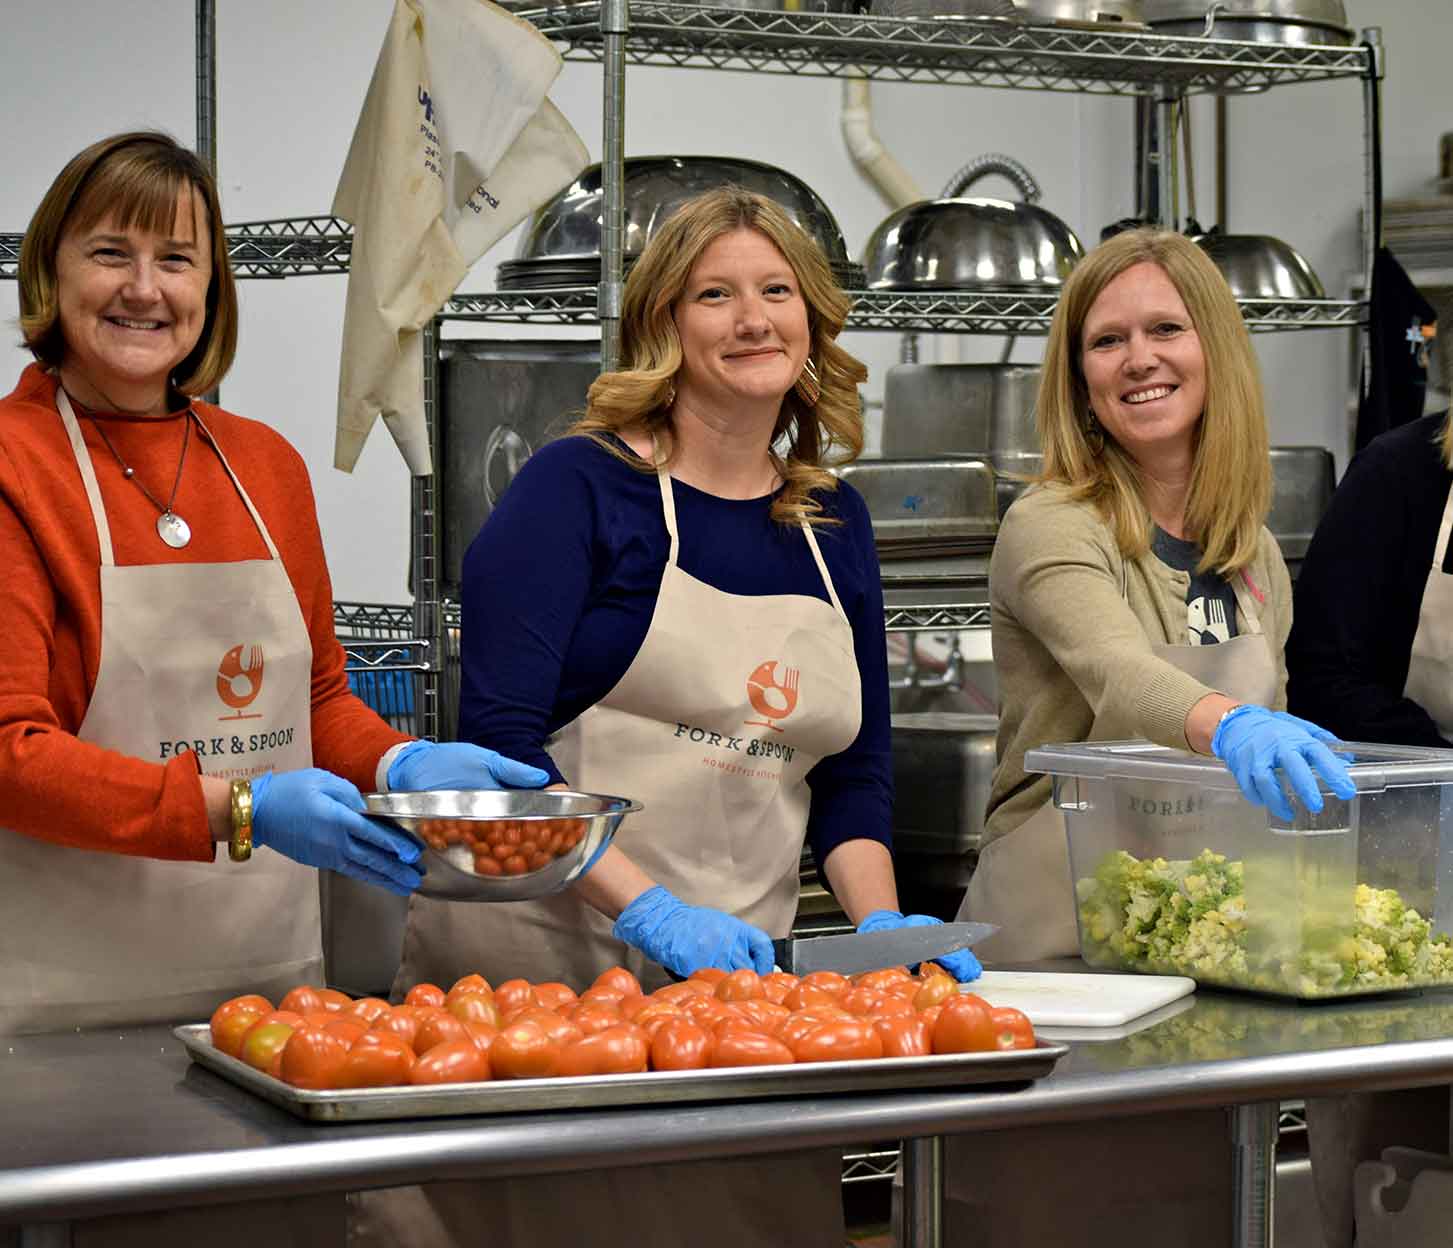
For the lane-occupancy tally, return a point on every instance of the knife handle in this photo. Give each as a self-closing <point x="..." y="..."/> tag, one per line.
<point x="782" y="955"/>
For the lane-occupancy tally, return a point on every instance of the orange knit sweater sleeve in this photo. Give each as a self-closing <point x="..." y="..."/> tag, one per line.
<point x="53" y="785"/>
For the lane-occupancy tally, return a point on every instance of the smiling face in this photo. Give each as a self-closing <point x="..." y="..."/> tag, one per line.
<point x="1143" y="365"/>
<point x="742" y="323"/>
<point x="132" y="304"/>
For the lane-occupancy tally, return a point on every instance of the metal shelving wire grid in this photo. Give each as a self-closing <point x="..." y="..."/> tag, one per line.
<point x="986" y="52"/>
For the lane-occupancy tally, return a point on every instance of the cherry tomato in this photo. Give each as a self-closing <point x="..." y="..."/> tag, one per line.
<point x="514" y="995"/>
<point x="457" y="1061"/>
<point x="424" y="994"/>
<point x="232" y="1019"/>
<point x="262" y="1046"/>
<point x="619" y="979"/>
<point x="936" y="989"/>
<point x="743" y="985"/>
<point x="904" y="1035"/>
<point x="313" y="1059"/>
<point x="438" y="1027"/>
<point x="378" y="1059"/>
<point x="748" y="1048"/>
<point x="777" y="985"/>
<point x="712" y="975"/>
<point x="553" y="995"/>
<point x="302" y="999"/>
<point x="882" y="980"/>
<point x="523" y="1050"/>
<point x="1012" y="1029"/>
<point x="964" y="1026"/>
<point x="369" y="1009"/>
<point x="618" y="1050"/>
<point x="475" y="1005"/>
<point x="401" y="1021"/>
<point x="680" y="1044"/>
<point x="854" y="1040"/>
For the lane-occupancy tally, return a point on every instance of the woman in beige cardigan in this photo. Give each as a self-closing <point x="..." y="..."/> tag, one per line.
<point x="1135" y="591"/>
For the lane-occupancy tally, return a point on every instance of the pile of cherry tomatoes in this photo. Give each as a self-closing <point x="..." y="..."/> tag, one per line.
<point x="319" y="1038"/>
<point x="505" y="846"/>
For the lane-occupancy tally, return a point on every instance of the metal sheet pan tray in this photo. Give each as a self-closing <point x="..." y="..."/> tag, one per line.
<point x="516" y="1096"/>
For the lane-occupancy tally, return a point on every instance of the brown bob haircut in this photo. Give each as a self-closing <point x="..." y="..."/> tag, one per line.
<point x="815" y="438"/>
<point x="135" y="178"/>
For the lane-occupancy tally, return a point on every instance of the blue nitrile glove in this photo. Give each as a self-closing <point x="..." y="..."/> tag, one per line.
<point x="458" y="765"/>
<point x="312" y="817"/>
<point x="1256" y="743"/>
<point x="686" y="938"/>
<point x="961" y="963"/>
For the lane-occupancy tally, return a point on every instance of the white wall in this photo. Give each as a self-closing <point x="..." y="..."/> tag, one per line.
<point x="291" y="79"/>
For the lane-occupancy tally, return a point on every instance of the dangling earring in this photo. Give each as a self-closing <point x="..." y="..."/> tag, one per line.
<point x="1094" y="435"/>
<point x="670" y="397"/>
<point x="808" y="385"/>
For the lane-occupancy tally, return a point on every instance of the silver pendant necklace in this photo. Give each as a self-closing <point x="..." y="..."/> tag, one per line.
<point x="170" y="527"/>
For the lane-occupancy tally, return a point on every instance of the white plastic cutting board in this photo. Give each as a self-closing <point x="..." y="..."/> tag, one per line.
<point x="1070" y="999"/>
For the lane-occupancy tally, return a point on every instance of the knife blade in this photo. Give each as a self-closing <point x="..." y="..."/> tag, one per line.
<point x="870" y="951"/>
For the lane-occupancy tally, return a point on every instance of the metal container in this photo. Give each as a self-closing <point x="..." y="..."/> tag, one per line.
<point x="1081" y="12"/>
<point x="926" y="506"/>
<point x="970" y="243"/>
<point x="943" y="764"/>
<point x="1303" y="478"/>
<point x="560" y="245"/>
<point x="444" y="822"/>
<point x="500" y="401"/>
<point x="1257" y="266"/>
<point x="980" y="410"/>
<point x="363" y="934"/>
<point x="1255" y="21"/>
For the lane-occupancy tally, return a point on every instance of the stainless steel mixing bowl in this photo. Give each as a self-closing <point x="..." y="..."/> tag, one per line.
<point x="561" y="243"/>
<point x="1257" y="266"/>
<point x="444" y="821"/>
<point x="1256" y="21"/>
<point x="970" y="244"/>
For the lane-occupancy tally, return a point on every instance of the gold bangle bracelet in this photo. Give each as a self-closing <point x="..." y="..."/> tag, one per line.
<point x="239" y="848"/>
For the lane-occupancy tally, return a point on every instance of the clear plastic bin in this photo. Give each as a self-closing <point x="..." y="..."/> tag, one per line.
<point x="1176" y="873"/>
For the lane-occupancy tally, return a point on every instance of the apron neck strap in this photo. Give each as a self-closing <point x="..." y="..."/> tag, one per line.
<point x="1440" y="551"/>
<point x="822" y="568"/>
<point x="246" y="498"/>
<point x="88" y="474"/>
<point x="668" y="500"/>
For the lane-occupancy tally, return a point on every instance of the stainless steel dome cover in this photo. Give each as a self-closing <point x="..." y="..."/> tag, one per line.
<point x="1257" y="266"/>
<point x="971" y="243"/>
<point x="564" y="234"/>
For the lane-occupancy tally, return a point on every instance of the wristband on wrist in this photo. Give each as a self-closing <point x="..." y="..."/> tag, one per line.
<point x="239" y="847"/>
<point x="1226" y="717"/>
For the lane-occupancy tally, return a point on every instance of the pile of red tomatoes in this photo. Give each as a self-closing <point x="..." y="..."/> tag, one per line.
<point x="319" y="1038"/>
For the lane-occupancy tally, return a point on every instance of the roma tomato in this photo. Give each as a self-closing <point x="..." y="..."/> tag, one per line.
<point x="369" y="1009"/>
<point x="742" y="985"/>
<point x="514" y="995"/>
<point x="476" y="1005"/>
<point x="402" y="1021"/>
<point x="593" y="1016"/>
<point x="831" y="981"/>
<point x="458" y="1061"/>
<point x="631" y="1007"/>
<point x="348" y="1028"/>
<point x="904" y="1035"/>
<point x="861" y="1002"/>
<point x="553" y="995"/>
<point x="424" y="994"/>
<point x="882" y="980"/>
<point x="675" y="993"/>
<point x="936" y="990"/>
<point x="777" y="985"/>
<point x="890" y="1004"/>
<point x="334" y="1000"/>
<point x="964" y="1026"/>
<point x="748" y="1048"/>
<point x="618" y="979"/>
<point x="482" y="1034"/>
<point x="761" y="1014"/>
<point x="798" y="1024"/>
<point x="853" y="1040"/>
<point x="232" y="1020"/>
<point x="1012" y="1029"/>
<point x="313" y="1058"/>
<point x="805" y="996"/>
<point x="378" y="1059"/>
<point x="262" y="1046"/>
<point x="471" y="983"/>
<point x="618" y="1050"/>
<point x="302" y="999"/>
<point x="712" y="975"/>
<point x="680" y="1044"/>
<point x="523" y="1050"/>
<point x="561" y="1030"/>
<point x="438" y="1027"/>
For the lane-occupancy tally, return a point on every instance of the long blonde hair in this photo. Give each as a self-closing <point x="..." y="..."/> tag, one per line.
<point x="1230" y="488"/>
<point x="827" y="434"/>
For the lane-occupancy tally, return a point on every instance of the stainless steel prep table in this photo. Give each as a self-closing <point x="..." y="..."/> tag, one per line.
<point x="105" y="1122"/>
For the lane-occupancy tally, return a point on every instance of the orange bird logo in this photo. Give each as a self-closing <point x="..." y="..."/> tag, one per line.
<point x="239" y="680"/>
<point x="772" y="697"/>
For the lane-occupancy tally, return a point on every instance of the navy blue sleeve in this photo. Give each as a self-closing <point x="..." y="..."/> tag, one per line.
<point x="852" y="792"/>
<point x="525" y="581"/>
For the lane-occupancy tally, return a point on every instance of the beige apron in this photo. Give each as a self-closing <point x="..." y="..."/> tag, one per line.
<point x="1022" y="880"/>
<point x="725" y="708"/>
<point x="94" y="938"/>
<point x="1430" y="665"/>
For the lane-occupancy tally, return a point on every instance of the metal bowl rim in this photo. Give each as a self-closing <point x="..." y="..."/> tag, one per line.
<point x="619" y="806"/>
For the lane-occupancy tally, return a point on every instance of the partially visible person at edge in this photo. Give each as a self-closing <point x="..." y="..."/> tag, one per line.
<point x="171" y="670"/>
<point x="685" y="603"/>
<point x="1371" y="656"/>
<point x="1134" y="593"/>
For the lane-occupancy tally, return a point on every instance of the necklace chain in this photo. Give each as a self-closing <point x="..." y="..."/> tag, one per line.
<point x="129" y="472"/>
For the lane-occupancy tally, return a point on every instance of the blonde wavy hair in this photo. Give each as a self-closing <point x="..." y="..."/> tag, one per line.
<point x="1230" y="489"/>
<point x="638" y="395"/>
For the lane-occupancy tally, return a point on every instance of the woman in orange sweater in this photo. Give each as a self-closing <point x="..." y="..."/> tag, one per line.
<point x="171" y="675"/>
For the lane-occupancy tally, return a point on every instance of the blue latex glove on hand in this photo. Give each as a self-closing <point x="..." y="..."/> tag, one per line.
<point x="961" y="963"/>
<point x="686" y="938"/>
<point x="458" y="765"/>
<point x="312" y="817"/>
<point x="1256" y="744"/>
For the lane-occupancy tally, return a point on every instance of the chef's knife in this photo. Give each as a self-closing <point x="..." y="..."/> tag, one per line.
<point x="869" y="951"/>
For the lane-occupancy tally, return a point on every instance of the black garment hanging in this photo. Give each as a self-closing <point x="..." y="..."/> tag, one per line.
<point x="1401" y="326"/>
